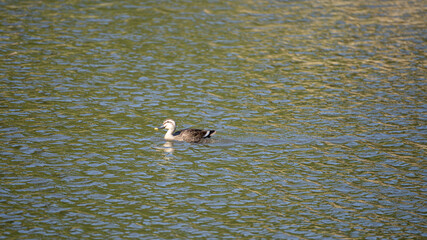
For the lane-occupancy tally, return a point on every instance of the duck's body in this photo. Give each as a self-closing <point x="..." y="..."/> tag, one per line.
<point x="187" y="135"/>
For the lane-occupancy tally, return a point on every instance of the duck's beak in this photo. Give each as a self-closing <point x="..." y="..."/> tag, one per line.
<point x="159" y="128"/>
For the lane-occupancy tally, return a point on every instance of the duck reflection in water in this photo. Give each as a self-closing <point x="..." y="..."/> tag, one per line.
<point x="168" y="147"/>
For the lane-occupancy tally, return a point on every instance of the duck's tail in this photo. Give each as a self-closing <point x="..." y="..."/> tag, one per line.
<point x="209" y="133"/>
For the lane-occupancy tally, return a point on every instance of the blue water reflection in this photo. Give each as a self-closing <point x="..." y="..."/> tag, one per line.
<point x="319" y="108"/>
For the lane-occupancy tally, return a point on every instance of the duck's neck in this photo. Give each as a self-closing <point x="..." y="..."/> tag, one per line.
<point x="169" y="134"/>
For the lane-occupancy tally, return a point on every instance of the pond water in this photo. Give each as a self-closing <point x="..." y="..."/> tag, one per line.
<point x="319" y="108"/>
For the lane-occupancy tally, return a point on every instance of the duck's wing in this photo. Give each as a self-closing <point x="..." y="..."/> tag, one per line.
<point x="195" y="135"/>
<point x="177" y="133"/>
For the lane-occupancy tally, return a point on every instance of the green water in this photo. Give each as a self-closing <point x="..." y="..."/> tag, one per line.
<point x="319" y="108"/>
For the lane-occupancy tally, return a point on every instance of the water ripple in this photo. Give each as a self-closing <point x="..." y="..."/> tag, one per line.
<point x="319" y="109"/>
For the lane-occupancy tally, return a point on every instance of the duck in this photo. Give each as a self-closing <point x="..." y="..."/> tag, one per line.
<point x="187" y="135"/>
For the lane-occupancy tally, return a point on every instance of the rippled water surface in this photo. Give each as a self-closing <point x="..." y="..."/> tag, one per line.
<point x="319" y="107"/>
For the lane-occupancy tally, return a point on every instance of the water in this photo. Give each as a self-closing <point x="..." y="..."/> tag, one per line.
<point x="319" y="109"/>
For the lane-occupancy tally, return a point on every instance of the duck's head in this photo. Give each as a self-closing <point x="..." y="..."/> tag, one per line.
<point x="169" y="124"/>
